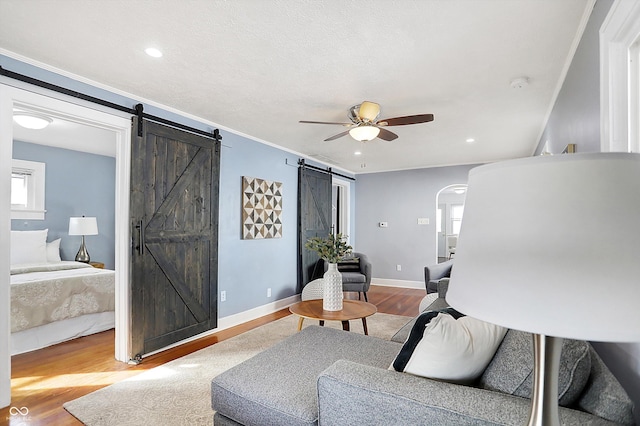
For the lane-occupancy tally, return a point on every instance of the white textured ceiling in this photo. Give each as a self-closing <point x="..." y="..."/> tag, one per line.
<point x="259" y="66"/>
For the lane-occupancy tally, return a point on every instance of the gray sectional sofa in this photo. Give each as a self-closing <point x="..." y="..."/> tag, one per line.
<point x="332" y="377"/>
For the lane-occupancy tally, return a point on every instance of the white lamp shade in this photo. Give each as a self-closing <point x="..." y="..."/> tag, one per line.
<point x="364" y="133"/>
<point x="83" y="226"/>
<point x="551" y="245"/>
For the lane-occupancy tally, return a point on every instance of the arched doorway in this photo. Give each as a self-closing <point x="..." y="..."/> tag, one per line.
<point x="449" y="211"/>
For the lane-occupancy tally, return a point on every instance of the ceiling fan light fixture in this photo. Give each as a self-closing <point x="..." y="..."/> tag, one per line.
<point x="31" y="120"/>
<point x="364" y="133"/>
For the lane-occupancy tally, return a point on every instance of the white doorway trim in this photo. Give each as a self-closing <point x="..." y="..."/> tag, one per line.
<point x="345" y="205"/>
<point x="120" y="126"/>
<point x="619" y="73"/>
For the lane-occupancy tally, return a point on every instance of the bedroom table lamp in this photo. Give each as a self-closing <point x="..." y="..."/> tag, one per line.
<point x="545" y="244"/>
<point x="83" y="226"/>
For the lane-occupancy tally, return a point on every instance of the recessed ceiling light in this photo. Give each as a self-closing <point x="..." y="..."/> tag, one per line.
<point x="357" y="153"/>
<point x="153" y="52"/>
<point x="469" y="140"/>
<point x="31" y="120"/>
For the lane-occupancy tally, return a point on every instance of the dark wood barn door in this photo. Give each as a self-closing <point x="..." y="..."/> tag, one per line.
<point x="174" y="218"/>
<point x="314" y="218"/>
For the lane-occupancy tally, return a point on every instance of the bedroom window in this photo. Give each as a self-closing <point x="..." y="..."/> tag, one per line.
<point x="27" y="190"/>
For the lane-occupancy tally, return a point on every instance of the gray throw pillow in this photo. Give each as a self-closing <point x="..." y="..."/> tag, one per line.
<point x="604" y="396"/>
<point x="511" y="370"/>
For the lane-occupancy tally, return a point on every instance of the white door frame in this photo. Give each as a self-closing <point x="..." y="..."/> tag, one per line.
<point x="619" y="94"/>
<point x="88" y="114"/>
<point x="345" y="203"/>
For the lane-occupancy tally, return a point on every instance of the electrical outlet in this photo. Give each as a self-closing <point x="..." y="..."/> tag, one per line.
<point x="423" y="221"/>
<point x="398" y="267"/>
<point x="223" y="296"/>
<point x="269" y="292"/>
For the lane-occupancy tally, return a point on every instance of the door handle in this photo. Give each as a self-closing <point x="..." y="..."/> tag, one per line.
<point x="140" y="246"/>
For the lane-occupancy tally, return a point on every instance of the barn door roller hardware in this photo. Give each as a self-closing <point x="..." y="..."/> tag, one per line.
<point x="139" y="112"/>
<point x="328" y="170"/>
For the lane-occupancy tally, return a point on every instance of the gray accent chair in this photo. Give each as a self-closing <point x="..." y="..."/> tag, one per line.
<point x="360" y="280"/>
<point x="434" y="274"/>
<point x="356" y="273"/>
<point x="323" y="376"/>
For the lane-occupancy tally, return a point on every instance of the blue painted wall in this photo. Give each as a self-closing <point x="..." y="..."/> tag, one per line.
<point x="246" y="267"/>
<point x="76" y="184"/>
<point x="575" y="117"/>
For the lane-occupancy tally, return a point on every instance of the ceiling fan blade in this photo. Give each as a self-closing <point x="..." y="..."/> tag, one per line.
<point x="387" y="135"/>
<point x="369" y="110"/>
<point x="339" y="135"/>
<point x="409" y="119"/>
<point x="325" y="122"/>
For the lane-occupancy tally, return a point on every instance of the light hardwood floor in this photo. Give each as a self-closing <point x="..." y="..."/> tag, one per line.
<point x="43" y="380"/>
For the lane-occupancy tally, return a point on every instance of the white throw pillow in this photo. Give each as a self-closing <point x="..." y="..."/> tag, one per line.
<point x="29" y="246"/>
<point x="53" y="251"/>
<point x="454" y="350"/>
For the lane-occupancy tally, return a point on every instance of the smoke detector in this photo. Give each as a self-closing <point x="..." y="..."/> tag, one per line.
<point x="520" y="82"/>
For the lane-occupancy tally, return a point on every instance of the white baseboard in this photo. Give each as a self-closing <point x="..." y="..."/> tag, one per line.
<point x="398" y="283"/>
<point x="251" y="314"/>
<point x="237" y="319"/>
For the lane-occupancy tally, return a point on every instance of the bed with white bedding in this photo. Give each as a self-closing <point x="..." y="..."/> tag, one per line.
<point x="54" y="301"/>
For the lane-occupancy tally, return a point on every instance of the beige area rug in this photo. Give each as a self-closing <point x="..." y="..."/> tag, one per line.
<point x="179" y="392"/>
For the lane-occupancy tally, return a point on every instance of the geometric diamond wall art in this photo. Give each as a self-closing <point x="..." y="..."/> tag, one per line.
<point x="261" y="209"/>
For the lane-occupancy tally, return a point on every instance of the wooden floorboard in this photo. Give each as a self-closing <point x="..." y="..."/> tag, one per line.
<point x="41" y="381"/>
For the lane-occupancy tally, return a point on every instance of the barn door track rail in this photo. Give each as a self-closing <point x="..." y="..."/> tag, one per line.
<point x="301" y="163"/>
<point x="138" y="110"/>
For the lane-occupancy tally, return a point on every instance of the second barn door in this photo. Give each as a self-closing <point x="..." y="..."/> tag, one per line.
<point x="314" y="219"/>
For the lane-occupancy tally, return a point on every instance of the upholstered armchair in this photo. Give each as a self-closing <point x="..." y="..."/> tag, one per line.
<point x="356" y="274"/>
<point x="437" y="274"/>
<point x="355" y="270"/>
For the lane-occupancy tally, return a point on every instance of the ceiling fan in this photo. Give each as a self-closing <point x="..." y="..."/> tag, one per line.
<point x="364" y="125"/>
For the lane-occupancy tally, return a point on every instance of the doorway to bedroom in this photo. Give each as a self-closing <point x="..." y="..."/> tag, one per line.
<point x="75" y="179"/>
<point x="86" y="154"/>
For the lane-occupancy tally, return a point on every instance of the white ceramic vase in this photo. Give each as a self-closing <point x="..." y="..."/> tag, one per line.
<point x="332" y="291"/>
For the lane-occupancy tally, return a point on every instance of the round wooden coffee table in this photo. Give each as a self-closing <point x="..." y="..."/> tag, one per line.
<point x="351" y="309"/>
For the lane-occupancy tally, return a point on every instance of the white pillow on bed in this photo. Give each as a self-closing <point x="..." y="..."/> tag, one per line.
<point x="29" y="246"/>
<point x="53" y="251"/>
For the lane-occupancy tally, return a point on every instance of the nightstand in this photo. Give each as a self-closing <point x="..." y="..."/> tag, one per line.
<point x="98" y="265"/>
